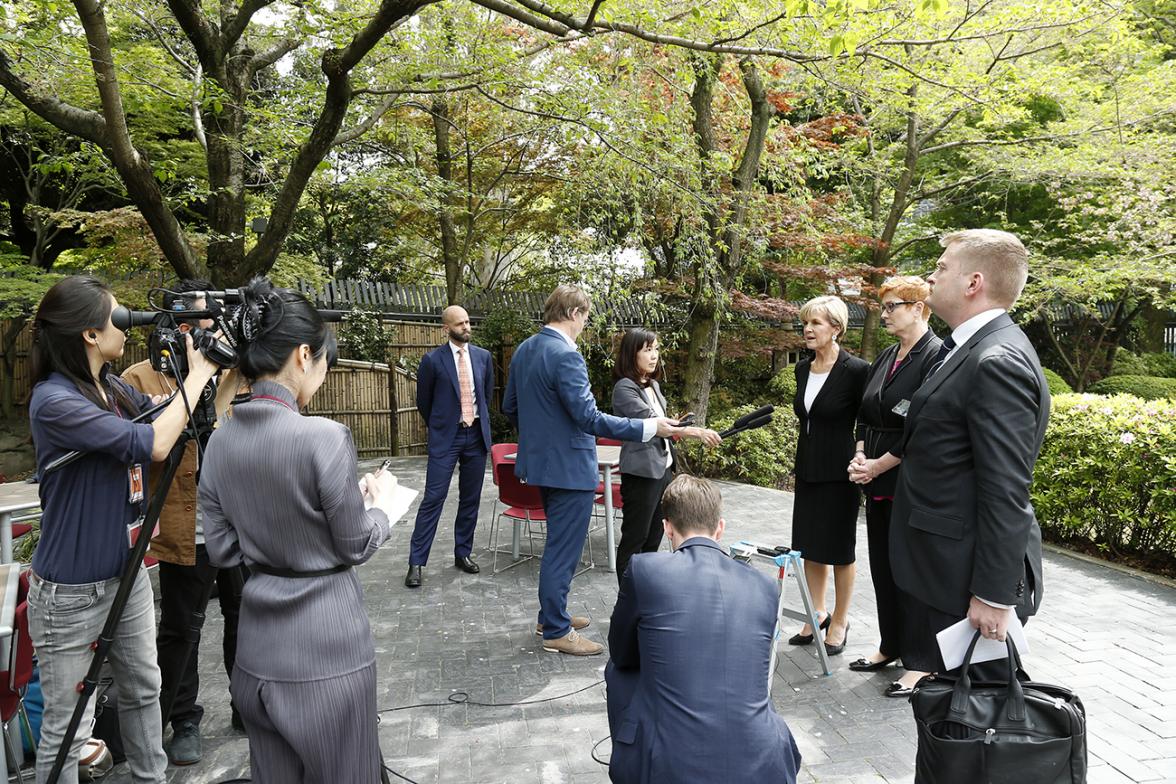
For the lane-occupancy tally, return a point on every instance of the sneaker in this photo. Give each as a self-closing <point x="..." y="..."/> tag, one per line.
<point x="578" y="623"/>
<point x="184" y="748"/>
<point x="95" y="760"/>
<point x="573" y="645"/>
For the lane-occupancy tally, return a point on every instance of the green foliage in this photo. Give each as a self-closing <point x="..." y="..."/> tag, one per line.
<point x="504" y="326"/>
<point x="1128" y="364"/>
<point x="21" y="285"/>
<point x="1160" y="363"/>
<point x="1146" y="387"/>
<point x="364" y="336"/>
<point x="1107" y="473"/>
<point x="783" y="387"/>
<point x="764" y="456"/>
<point x="1057" y="384"/>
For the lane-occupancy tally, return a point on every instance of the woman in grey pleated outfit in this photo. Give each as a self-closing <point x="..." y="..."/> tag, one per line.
<point x="279" y="494"/>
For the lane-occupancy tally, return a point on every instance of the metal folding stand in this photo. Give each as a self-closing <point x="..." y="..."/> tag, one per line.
<point x="787" y="562"/>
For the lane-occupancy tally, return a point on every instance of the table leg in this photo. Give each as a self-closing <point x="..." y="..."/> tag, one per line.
<point x="610" y="532"/>
<point x="5" y="538"/>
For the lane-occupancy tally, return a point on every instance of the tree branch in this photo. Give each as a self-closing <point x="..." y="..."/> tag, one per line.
<point x="596" y="4"/>
<point x="201" y="34"/>
<point x="161" y="39"/>
<point x="1042" y="137"/>
<point x="263" y="60"/>
<point x="235" y="25"/>
<point x="80" y="122"/>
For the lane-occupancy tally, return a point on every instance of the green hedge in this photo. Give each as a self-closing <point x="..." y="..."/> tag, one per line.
<point x="764" y="456"/>
<point x="1146" y="387"/>
<point x="1147" y="364"/>
<point x="1057" y="384"/>
<point x="1107" y="474"/>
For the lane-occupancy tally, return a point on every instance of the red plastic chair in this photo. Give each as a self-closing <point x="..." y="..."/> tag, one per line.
<point x="522" y="504"/>
<point x="19" y="672"/>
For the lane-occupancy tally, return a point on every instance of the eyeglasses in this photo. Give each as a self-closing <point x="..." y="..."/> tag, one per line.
<point x="890" y="307"/>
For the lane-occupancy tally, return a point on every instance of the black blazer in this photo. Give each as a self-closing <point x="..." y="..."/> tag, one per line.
<point x="962" y="523"/>
<point x="826" y="441"/>
<point x="879" y="427"/>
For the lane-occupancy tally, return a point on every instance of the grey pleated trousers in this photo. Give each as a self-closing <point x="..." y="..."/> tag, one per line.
<point x="311" y="732"/>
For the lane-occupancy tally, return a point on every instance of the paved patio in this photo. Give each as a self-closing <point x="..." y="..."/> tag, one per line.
<point x="1105" y="633"/>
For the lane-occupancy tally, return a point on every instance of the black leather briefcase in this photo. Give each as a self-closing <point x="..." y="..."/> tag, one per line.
<point x="1009" y="732"/>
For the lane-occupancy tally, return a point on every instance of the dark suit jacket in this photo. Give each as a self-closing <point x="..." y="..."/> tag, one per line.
<point x="879" y="427"/>
<point x="962" y="523"/>
<point x="690" y="645"/>
<point x="646" y="459"/>
<point x="826" y="442"/>
<point x="438" y="394"/>
<point x="549" y="401"/>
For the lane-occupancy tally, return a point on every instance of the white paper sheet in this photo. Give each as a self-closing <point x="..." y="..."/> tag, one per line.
<point x="395" y="498"/>
<point x="955" y="639"/>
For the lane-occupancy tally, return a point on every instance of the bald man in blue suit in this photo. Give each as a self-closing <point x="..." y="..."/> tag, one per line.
<point x="550" y="402"/>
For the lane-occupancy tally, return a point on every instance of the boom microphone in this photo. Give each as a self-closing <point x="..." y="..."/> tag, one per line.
<point x="742" y="422"/>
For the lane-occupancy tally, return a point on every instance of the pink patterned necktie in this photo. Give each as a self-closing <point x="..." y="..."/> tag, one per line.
<point x="466" y="381"/>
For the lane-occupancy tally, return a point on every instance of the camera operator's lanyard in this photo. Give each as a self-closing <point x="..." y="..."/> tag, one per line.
<point x="136" y="490"/>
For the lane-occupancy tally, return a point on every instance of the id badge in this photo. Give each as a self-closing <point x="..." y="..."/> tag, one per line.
<point x="135" y="480"/>
<point x="902" y="407"/>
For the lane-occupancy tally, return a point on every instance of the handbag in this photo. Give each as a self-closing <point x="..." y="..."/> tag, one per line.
<point x="985" y="732"/>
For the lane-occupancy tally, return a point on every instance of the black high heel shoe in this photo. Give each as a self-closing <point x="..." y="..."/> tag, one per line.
<point x="833" y="650"/>
<point x="807" y="639"/>
<point x="865" y="665"/>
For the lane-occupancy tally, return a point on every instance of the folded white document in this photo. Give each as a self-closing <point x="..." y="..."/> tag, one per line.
<point x="395" y="498"/>
<point x="955" y="639"/>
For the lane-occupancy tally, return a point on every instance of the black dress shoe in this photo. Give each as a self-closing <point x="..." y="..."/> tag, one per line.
<point x="896" y="689"/>
<point x="834" y="650"/>
<point x="865" y="665"/>
<point x="466" y="564"/>
<point x="807" y="639"/>
<point x="413" y="578"/>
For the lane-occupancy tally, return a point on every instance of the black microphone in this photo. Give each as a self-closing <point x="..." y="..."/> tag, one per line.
<point x="124" y="318"/>
<point x="752" y="425"/>
<point x="741" y="422"/>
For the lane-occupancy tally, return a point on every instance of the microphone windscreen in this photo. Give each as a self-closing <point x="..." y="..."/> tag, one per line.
<point x="125" y="319"/>
<point x="742" y="421"/>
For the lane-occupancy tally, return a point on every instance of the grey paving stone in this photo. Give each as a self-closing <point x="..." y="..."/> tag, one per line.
<point x="1097" y="633"/>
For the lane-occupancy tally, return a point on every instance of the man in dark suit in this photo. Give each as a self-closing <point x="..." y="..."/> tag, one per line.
<point x="690" y="645"/>
<point x="964" y="541"/>
<point x="454" y="386"/>
<point x="548" y="399"/>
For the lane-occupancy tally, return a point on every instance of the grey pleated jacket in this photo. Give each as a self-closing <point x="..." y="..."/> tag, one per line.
<point x="281" y="489"/>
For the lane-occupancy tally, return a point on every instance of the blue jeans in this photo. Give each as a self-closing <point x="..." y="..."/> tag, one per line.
<point x="63" y="621"/>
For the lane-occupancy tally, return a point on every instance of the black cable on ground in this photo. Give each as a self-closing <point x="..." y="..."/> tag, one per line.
<point x="463" y="698"/>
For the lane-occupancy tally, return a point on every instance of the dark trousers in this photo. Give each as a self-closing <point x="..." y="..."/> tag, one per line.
<point x="641" y="524"/>
<point x="469" y="450"/>
<point x="568" y="512"/>
<point x="885" y="591"/>
<point x="182" y="593"/>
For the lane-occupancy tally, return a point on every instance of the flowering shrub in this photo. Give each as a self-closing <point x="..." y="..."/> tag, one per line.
<point x="1107" y="473"/>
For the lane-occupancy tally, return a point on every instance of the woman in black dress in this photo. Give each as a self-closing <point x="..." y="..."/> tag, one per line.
<point x="894" y="377"/>
<point x="829" y="389"/>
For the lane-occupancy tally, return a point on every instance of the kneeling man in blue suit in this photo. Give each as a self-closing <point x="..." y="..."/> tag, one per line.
<point x="690" y="646"/>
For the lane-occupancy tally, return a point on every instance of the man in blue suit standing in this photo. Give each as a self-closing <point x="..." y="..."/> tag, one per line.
<point x="549" y="401"/>
<point x="454" y="386"/>
<point x="690" y="645"/>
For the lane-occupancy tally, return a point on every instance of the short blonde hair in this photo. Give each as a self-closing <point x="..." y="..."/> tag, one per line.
<point x="998" y="255"/>
<point x="832" y="308"/>
<point x="909" y="288"/>
<point x="692" y="505"/>
<point x="563" y="302"/>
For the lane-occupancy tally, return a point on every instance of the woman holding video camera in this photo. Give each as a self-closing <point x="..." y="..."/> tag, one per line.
<point x="278" y="493"/>
<point x="89" y="510"/>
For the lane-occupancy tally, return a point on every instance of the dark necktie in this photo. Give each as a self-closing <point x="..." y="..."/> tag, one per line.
<point x="941" y="357"/>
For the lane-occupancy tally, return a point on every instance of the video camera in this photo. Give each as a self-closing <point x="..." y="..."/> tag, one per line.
<point x="166" y="347"/>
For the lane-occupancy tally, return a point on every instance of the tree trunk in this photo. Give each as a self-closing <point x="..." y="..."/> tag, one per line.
<point x="224" y="128"/>
<point x="8" y="383"/>
<point x="449" y="252"/>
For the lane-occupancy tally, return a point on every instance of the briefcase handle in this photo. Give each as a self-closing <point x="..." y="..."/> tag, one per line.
<point x="1014" y="704"/>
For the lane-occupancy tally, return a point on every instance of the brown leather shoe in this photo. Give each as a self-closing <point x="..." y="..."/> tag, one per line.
<point x="573" y="645"/>
<point x="578" y="623"/>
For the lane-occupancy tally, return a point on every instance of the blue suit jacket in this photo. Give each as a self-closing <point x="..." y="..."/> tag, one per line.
<point x="690" y="645"/>
<point x="549" y="401"/>
<point x="438" y="394"/>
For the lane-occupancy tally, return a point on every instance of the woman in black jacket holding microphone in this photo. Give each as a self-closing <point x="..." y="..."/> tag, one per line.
<point x="894" y="377"/>
<point x="646" y="468"/>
